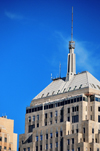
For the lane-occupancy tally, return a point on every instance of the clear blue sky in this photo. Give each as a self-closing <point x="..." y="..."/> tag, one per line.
<point x="34" y="37"/>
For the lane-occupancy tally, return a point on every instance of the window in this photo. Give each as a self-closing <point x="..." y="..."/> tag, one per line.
<point x="72" y="131"/>
<point x="37" y="124"/>
<point x="56" y="144"/>
<point x="68" y="110"/>
<point x="72" y="109"/>
<point x="5" y="139"/>
<point x="86" y="108"/>
<point x="99" y="109"/>
<point x="29" y="119"/>
<point x="41" y="137"/>
<point x="86" y="117"/>
<point x="50" y="135"/>
<point x="36" y="148"/>
<point x="98" y="118"/>
<point x="78" y="149"/>
<point x="46" y="146"/>
<point x="55" y="121"/>
<point x="61" y="133"/>
<point x="50" y="122"/>
<point x="91" y="108"/>
<point x="40" y="147"/>
<point x="97" y="149"/>
<point x="68" y="141"/>
<point x="28" y="148"/>
<point x="0" y="138"/>
<point x="92" y="130"/>
<point x="90" y="117"/>
<point x="45" y="123"/>
<point x="5" y="147"/>
<point x="36" y="138"/>
<point x="72" y="140"/>
<point x="46" y="136"/>
<point x="68" y="119"/>
<point x="45" y="115"/>
<point x="84" y="130"/>
<point x="75" y="119"/>
<point x="0" y="148"/>
<point x="37" y="117"/>
<point x="24" y="149"/>
<point x="76" y="130"/>
<point x="50" y="145"/>
<point x="34" y="118"/>
<point x="51" y="114"/>
<point x="9" y="148"/>
<point x="83" y="139"/>
<point x="56" y="133"/>
<point x="56" y="113"/>
<point x="96" y="140"/>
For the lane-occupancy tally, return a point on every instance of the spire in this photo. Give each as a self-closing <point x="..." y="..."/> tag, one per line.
<point x="71" y="65"/>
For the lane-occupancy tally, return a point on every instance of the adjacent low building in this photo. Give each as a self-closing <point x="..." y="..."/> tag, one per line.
<point x="8" y="139"/>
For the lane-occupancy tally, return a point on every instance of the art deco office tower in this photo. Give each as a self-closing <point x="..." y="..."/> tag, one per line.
<point x="65" y="116"/>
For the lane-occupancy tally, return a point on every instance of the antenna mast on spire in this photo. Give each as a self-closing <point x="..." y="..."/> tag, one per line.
<point x="72" y="26"/>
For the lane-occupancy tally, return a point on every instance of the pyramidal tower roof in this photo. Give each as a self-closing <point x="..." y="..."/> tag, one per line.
<point x="72" y="81"/>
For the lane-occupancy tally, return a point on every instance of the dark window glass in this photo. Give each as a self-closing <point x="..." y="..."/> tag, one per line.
<point x="65" y="102"/>
<point x="50" y="145"/>
<point x="98" y="118"/>
<point x="72" y="109"/>
<point x="36" y="148"/>
<point x="46" y="136"/>
<point x="30" y="129"/>
<point x="71" y="100"/>
<point x="92" y="130"/>
<point x="68" y="141"/>
<point x="68" y="110"/>
<point x="33" y="110"/>
<point x="80" y="98"/>
<point x="45" y="123"/>
<point x="50" y="135"/>
<point x="74" y="99"/>
<point x="68" y="119"/>
<point x="68" y="101"/>
<point x="76" y="130"/>
<point x="51" y="114"/>
<point x="0" y="138"/>
<point x="72" y="140"/>
<point x="56" y="144"/>
<point x="84" y="130"/>
<point x="45" y="115"/>
<point x="36" y="138"/>
<point x="57" y="134"/>
<point x="46" y="146"/>
<point x="37" y="124"/>
<point x="4" y="147"/>
<point x="77" y="108"/>
<point x="78" y="149"/>
<point x="41" y="137"/>
<point x="99" y="109"/>
<point x="77" y="99"/>
<point x="61" y="133"/>
<point x="28" y="148"/>
<point x="75" y="119"/>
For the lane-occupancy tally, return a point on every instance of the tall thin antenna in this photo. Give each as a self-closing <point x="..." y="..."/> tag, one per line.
<point x="72" y="26"/>
<point x="60" y="70"/>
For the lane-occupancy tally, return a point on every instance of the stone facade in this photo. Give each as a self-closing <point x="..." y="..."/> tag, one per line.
<point x="64" y="122"/>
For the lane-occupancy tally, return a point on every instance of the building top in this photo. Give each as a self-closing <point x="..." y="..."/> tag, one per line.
<point x="78" y="81"/>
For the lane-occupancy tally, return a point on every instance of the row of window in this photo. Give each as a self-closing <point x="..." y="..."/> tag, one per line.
<point x="68" y="141"/>
<point x="46" y="136"/>
<point x="4" y="148"/>
<point x="74" y="109"/>
<point x="47" y="146"/>
<point x="5" y="139"/>
<point x="28" y="149"/>
<point x="56" y="104"/>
